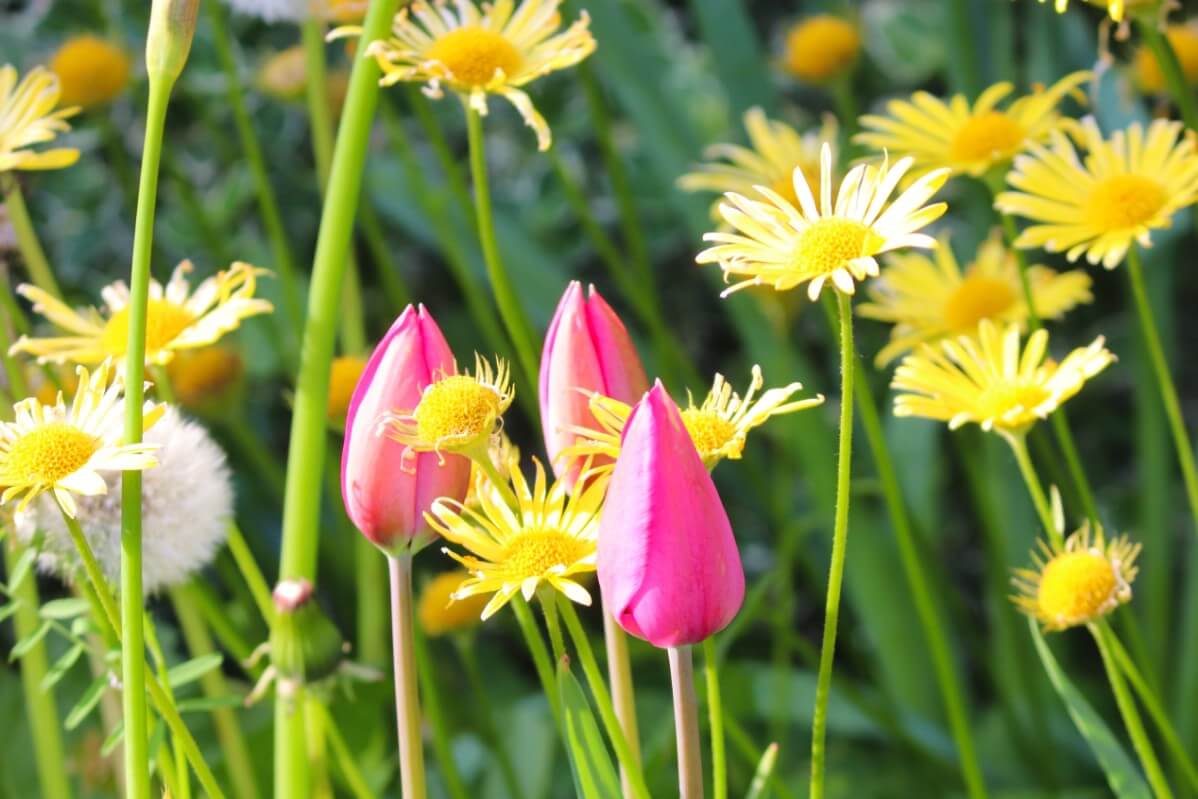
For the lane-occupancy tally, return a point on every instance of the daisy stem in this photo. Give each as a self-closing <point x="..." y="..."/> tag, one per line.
<point x="250" y="573"/>
<point x="484" y="462"/>
<point x="611" y="724"/>
<point x="1034" y="487"/>
<point x="619" y="676"/>
<point x="686" y="723"/>
<point x="552" y="624"/>
<point x="1168" y="390"/>
<point x="1131" y="715"/>
<point x="31" y="250"/>
<point x="436" y="718"/>
<point x="1175" y="79"/>
<point x="182" y="782"/>
<point x="407" y="693"/>
<point x="540" y="655"/>
<point x="510" y="311"/>
<point x="715" y="717"/>
<point x="839" y="541"/>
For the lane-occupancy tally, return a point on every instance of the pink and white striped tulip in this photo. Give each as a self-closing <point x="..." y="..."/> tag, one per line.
<point x="668" y="564"/>
<point x="387" y="489"/>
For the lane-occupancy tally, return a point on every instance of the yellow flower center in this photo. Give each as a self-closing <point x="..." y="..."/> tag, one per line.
<point x="1124" y="201"/>
<point x="991" y="135"/>
<point x="456" y="407"/>
<point x="473" y="54"/>
<point x="820" y="47"/>
<point x="164" y="322"/>
<point x="203" y="374"/>
<point x="1000" y="400"/>
<point x="710" y="431"/>
<point x="829" y="244"/>
<point x="1076" y="587"/>
<point x="533" y="554"/>
<point x="975" y="299"/>
<point x="49" y="453"/>
<point x="343" y="379"/>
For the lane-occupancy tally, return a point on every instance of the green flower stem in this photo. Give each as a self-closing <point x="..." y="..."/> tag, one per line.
<point x="715" y="720"/>
<point x="840" y="534"/>
<point x="407" y="695"/>
<point x="228" y="731"/>
<point x="964" y="56"/>
<point x="268" y="204"/>
<point x="464" y="643"/>
<point x="549" y="607"/>
<point x="619" y="676"/>
<point x="265" y="463"/>
<point x="213" y="614"/>
<point x="133" y="665"/>
<point x="1171" y="69"/>
<point x="431" y="697"/>
<point x="344" y="759"/>
<point x="540" y="654"/>
<point x="686" y="723"/>
<point x="308" y="444"/>
<point x="318" y="760"/>
<point x="181" y="783"/>
<point x="32" y="253"/>
<point x="1164" y="379"/>
<point x="395" y="288"/>
<point x="1131" y="716"/>
<point x="250" y="573"/>
<point x="1034" y="488"/>
<point x="41" y="709"/>
<point x="510" y="311"/>
<point x="482" y="459"/>
<point x="611" y="724"/>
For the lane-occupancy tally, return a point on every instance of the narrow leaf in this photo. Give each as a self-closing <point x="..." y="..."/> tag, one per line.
<point x="23" y="646"/>
<point x="63" y="609"/>
<point x="765" y="770"/>
<point x="61" y="667"/>
<point x="590" y="762"/>
<point x="9" y="609"/>
<point x="87" y="703"/>
<point x="193" y="669"/>
<point x="114" y="738"/>
<point x="20" y="569"/>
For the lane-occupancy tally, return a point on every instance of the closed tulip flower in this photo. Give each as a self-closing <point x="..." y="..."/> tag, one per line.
<point x="587" y="349"/>
<point x="387" y="487"/>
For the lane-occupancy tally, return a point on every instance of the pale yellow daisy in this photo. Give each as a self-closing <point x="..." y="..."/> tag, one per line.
<point x="28" y="116"/>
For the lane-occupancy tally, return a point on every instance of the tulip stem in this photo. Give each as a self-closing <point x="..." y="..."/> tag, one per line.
<point x="619" y="675"/>
<point x="686" y="723"/>
<point x="510" y="311"/>
<point x="31" y="250"/>
<point x="715" y="716"/>
<point x="407" y="694"/>
<point x="840" y="533"/>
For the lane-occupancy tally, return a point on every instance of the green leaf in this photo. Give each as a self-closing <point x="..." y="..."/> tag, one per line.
<point x="1121" y="773"/>
<point x="61" y="667"/>
<point x="9" y="609"/>
<point x="20" y="569"/>
<point x="193" y="669"/>
<point x="737" y="53"/>
<point x="765" y="769"/>
<point x="63" y="609"/>
<point x="22" y="647"/>
<point x="114" y="738"/>
<point x="208" y="703"/>
<point x="590" y="763"/>
<point x="87" y="703"/>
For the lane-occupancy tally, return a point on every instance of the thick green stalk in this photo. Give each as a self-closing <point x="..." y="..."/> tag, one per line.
<point x="619" y="675"/>
<point x="715" y="720"/>
<point x="407" y="693"/>
<point x="1034" y="488"/>
<point x="510" y="311"/>
<point x="430" y="694"/>
<point x="32" y="253"/>
<point x="1166" y="57"/>
<point x="1131" y="716"/>
<point x="686" y="723"/>
<point x="840" y="534"/>
<point x="268" y="204"/>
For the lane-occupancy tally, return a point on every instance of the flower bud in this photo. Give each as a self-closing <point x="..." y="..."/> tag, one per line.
<point x="168" y="43"/>
<point x="386" y="486"/>
<point x="305" y="645"/>
<point x="669" y="568"/>
<point x="587" y="349"/>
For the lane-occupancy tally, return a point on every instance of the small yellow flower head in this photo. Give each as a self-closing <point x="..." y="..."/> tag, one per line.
<point x="64" y="450"/>
<point x="343" y="379"/>
<point x="202" y="379"/>
<point x="1078" y="582"/>
<point x="718" y="427"/>
<point x="969" y="140"/>
<point x="91" y="70"/>
<point x="777" y="243"/>
<point x="930" y="298"/>
<point x="988" y="379"/>
<point x="1126" y="187"/>
<point x="284" y="75"/>
<point x="177" y="317"/>
<point x="1184" y="41"/>
<point x="821" y="48"/>
<point x="28" y="117"/>
<point x="493" y="49"/>
<point x="440" y="613"/>
<point x="458" y="413"/>
<point x="549" y="539"/>
<point x="775" y="150"/>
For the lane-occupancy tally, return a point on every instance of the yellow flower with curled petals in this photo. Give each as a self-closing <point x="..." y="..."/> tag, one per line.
<point x="177" y="317"/>
<point x="928" y="298"/>
<point x="29" y="116"/>
<point x="495" y="48"/>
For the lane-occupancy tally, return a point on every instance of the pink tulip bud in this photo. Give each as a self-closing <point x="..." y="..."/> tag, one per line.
<point x="387" y="488"/>
<point x="587" y="348"/>
<point x="669" y="569"/>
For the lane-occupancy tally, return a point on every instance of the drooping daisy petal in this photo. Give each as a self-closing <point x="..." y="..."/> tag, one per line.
<point x="28" y="116"/>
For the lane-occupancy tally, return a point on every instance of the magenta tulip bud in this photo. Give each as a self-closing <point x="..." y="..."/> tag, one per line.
<point x="587" y="349"/>
<point x="669" y="568"/>
<point x="386" y="487"/>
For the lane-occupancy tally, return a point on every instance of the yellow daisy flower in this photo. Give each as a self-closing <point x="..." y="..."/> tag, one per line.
<point x="1125" y="188"/>
<point x="783" y="245"/>
<point x="1077" y="582"/>
<point x="931" y="298"/>
<point x="92" y="71"/>
<point x="549" y="539"/>
<point x="821" y="47"/>
<point x="718" y="427"/>
<point x="1184" y="41"/>
<point x="493" y="49"/>
<point x="63" y="450"/>
<point x="27" y="117"/>
<point x="968" y="140"/>
<point x="204" y="379"/>
<point x="440" y="613"/>
<point x="988" y="380"/>
<point x="774" y="150"/>
<point x="177" y="318"/>
<point x="344" y="374"/>
<point x="458" y="413"/>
